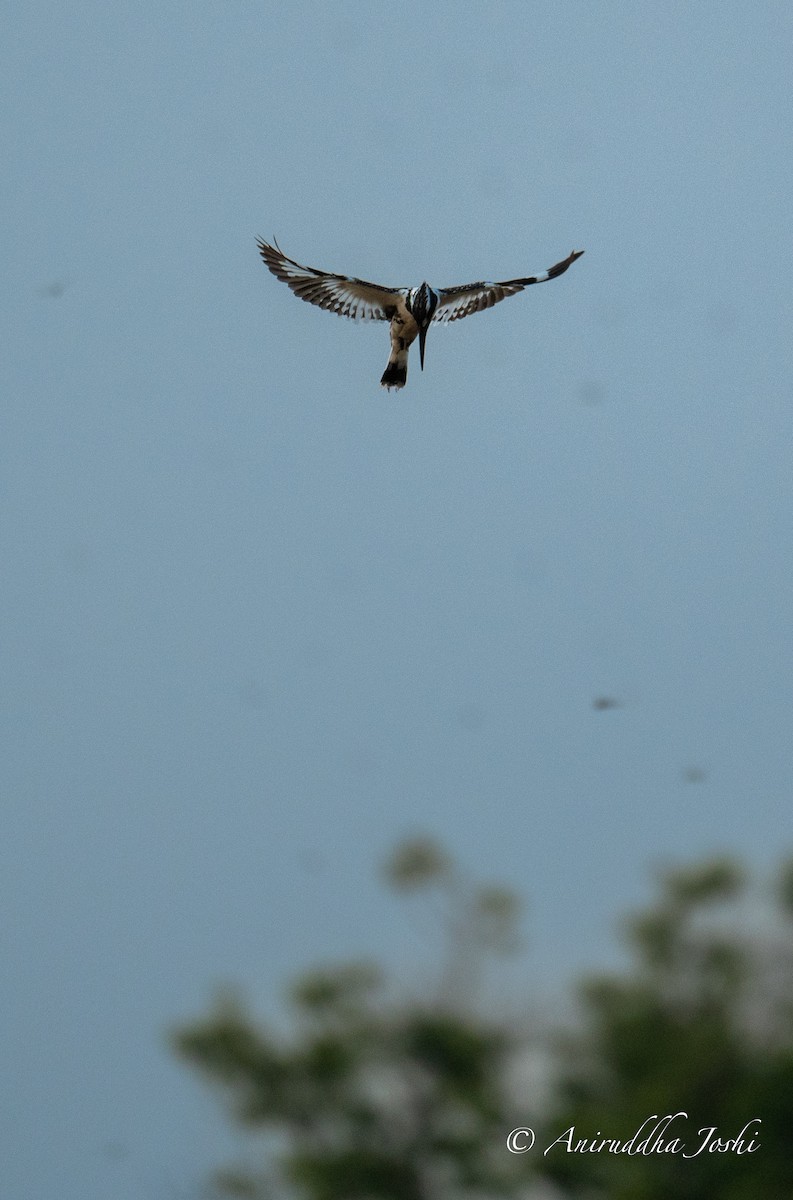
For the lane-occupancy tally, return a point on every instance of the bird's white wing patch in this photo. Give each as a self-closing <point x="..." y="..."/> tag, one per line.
<point x="340" y="294"/>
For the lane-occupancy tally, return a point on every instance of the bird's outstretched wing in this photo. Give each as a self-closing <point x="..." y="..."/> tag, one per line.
<point x="337" y="293"/>
<point x="457" y="302"/>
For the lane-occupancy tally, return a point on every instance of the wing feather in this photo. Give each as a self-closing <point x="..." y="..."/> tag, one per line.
<point x="458" y="302"/>
<point x="340" y="294"/>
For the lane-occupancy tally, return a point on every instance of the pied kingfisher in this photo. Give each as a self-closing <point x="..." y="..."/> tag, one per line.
<point x="410" y="310"/>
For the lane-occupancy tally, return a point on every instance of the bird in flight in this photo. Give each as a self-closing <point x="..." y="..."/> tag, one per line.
<point x="410" y="310"/>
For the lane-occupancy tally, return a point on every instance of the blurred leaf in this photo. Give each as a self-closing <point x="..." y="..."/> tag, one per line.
<point x="785" y="887"/>
<point x="656" y="936"/>
<point x="707" y="883"/>
<point x="416" y="864"/>
<point x="497" y="910"/>
<point x="338" y="990"/>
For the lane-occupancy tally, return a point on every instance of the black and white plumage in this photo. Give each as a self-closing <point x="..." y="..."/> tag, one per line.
<point x="410" y="310"/>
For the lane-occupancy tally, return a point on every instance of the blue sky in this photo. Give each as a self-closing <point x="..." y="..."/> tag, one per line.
<point x="261" y="619"/>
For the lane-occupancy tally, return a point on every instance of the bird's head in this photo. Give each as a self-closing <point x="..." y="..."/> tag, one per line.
<point x="422" y="303"/>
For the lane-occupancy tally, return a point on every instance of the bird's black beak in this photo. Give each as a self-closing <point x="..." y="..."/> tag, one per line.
<point x="422" y="340"/>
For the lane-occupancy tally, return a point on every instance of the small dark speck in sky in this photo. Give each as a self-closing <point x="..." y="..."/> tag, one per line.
<point x="54" y="290"/>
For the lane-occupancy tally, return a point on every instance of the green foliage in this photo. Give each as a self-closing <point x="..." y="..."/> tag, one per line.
<point x="785" y="887"/>
<point x="417" y="863"/>
<point x="372" y="1098"/>
<point x="685" y="1029"/>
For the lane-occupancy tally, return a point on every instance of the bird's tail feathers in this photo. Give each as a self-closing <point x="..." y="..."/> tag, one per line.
<point x="396" y="372"/>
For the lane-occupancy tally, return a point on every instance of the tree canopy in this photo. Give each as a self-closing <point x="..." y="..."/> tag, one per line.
<point x="375" y="1097"/>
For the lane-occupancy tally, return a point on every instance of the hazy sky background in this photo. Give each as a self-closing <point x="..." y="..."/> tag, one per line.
<point x="262" y="619"/>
